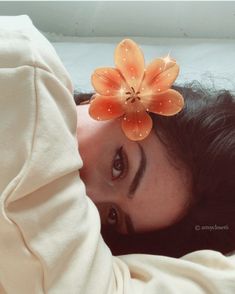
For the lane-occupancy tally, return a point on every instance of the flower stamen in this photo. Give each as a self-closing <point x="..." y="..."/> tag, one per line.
<point x="133" y="96"/>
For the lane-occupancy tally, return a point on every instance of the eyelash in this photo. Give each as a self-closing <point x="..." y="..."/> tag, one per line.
<point x="110" y="220"/>
<point x="124" y="162"/>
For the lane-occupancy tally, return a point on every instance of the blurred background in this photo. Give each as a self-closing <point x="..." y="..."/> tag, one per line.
<point x="181" y="19"/>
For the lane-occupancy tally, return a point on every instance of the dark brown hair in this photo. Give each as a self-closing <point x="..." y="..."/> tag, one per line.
<point x="202" y="137"/>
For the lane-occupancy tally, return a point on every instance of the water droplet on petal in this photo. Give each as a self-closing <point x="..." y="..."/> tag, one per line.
<point x="169" y="100"/>
<point x="140" y="135"/>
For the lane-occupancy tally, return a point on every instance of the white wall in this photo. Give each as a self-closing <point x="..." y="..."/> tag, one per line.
<point x="198" y="19"/>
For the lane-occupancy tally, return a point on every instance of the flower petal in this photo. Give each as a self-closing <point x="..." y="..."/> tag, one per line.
<point x="105" y="107"/>
<point x="159" y="76"/>
<point x="129" y="59"/>
<point x="108" y="81"/>
<point x="137" y="125"/>
<point x="168" y="103"/>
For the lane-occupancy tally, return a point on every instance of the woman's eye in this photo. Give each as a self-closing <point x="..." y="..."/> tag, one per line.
<point x="120" y="164"/>
<point x="112" y="218"/>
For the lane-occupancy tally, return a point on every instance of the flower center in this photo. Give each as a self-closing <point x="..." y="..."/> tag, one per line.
<point x="132" y="95"/>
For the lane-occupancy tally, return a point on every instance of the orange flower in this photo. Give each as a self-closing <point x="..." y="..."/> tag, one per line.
<point x="130" y="91"/>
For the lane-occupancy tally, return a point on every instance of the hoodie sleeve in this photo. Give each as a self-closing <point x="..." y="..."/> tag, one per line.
<point x="50" y="238"/>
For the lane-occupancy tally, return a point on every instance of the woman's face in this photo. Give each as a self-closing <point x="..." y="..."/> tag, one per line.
<point x="133" y="184"/>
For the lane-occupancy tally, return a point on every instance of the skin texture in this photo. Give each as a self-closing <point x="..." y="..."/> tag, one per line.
<point x="163" y="193"/>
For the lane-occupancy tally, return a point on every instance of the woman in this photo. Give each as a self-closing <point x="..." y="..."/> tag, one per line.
<point x="174" y="192"/>
<point x="50" y="231"/>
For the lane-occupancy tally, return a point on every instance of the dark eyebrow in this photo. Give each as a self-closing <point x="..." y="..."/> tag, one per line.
<point x="139" y="174"/>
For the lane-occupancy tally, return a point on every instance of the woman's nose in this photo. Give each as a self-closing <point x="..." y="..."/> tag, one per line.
<point x="103" y="209"/>
<point x="99" y="192"/>
<point x="98" y="188"/>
